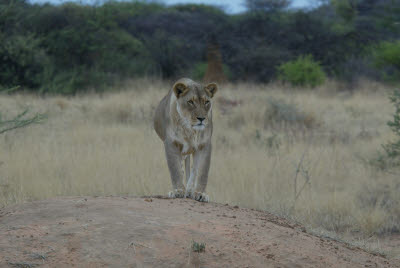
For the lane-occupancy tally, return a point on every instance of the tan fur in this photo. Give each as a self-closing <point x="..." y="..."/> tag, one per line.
<point x="183" y="121"/>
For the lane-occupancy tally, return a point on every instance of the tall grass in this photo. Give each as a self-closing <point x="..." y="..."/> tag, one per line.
<point x="302" y="154"/>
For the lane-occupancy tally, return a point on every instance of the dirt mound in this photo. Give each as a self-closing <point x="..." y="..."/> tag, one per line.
<point x="158" y="232"/>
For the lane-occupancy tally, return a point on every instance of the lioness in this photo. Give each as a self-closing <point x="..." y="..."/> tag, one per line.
<point x="183" y="121"/>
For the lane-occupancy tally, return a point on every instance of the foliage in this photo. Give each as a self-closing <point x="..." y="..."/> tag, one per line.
<point x="20" y="120"/>
<point x="388" y="53"/>
<point x="393" y="148"/>
<point x="303" y="71"/>
<point x="346" y="9"/>
<point x="73" y="47"/>
<point x="199" y="70"/>
<point x="355" y="69"/>
<point x="198" y="247"/>
<point x="266" y="5"/>
<point x="387" y="58"/>
<point x="22" y="61"/>
<point x="68" y="48"/>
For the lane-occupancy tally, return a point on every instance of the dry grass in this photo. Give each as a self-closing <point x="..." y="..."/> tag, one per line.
<point x="105" y="145"/>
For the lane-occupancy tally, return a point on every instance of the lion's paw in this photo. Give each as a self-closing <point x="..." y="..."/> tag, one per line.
<point x="188" y="194"/>
<point x="177" y="193"/>
<point x="201" y="197"/>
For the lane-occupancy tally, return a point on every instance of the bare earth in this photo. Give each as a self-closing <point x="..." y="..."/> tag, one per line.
<point x="158" y="232"/>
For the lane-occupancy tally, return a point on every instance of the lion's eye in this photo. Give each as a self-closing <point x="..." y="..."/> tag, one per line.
<point x="191" y="102"/>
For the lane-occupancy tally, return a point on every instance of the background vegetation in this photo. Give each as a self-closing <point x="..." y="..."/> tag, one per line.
<point x="74" y="47"/>
<point x="303" y="154"/>
<point x="302" y="72"/>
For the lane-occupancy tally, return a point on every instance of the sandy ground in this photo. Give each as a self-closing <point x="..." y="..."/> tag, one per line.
<point x="158" y="232"/>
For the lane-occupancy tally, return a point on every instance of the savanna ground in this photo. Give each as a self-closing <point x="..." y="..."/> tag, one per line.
<point x="308" y="155"/>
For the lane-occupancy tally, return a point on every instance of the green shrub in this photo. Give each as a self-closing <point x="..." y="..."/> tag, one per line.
<point x="89" y="51"/>
<point x="393" y="148"/>
<point x="198" y="247"/>
<point x="80" y="78"/>
<point x="303" y="71"/>
<point x="346" y="9"/>
<point x="387" y="59"/>
<point x="388" y="53"/>
<point x="199" y="70"/>
<point x="68" y="48"/>
<point x="22" y="61"/>
<point x="19" y="121"/>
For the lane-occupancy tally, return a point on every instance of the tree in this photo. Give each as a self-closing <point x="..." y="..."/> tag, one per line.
<point x="267" y="5"/>
<point x="346" y="9"/>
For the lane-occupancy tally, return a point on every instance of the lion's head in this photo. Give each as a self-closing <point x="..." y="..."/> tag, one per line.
<point x="194" y="102"/>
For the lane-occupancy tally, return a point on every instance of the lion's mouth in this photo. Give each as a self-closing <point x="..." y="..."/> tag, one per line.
<point x="199" y="126"/>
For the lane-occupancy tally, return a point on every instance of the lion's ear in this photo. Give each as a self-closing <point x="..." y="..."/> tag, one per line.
<point x="180" y="89"/>
<point x="211" y="89"/>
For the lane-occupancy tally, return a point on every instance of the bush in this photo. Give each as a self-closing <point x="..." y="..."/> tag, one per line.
<point x="199" y="70"/>
<point x="303" y="71"/>
<point x="19" y="121"/>
<point x="280" y="114"/>
<point x="67" y="48"/>
<point x="387" y="58"/>
<point x="22" y="61"/>
<point x="70" y="47"/>
<point x="393" y="148"/>
<point x="388" y="53"/>
<point x="88" y="51"/>
<point x="256" y="61"/>
<point x="71" y="81"/>
<point x="355" y="69"/>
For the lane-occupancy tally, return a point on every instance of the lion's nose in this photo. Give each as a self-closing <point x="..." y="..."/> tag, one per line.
<point x="201" y="119"/>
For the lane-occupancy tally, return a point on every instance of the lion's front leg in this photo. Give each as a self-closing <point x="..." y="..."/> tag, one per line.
<point x="199" y="176"/>
<point x="174" y="160"/>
